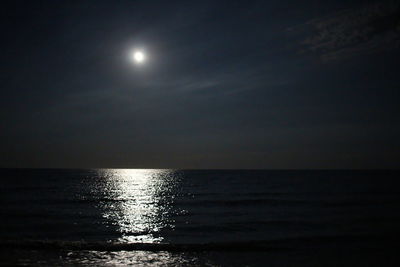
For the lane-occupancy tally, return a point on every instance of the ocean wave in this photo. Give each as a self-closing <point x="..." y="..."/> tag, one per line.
<point x="255" y="202"/>
<point x="241" y="202"/>
<point x="246" y="246"/>
<point x="118" y="246"/>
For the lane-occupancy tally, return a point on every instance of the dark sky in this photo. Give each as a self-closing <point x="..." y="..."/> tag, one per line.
<point x="227" y="84"/>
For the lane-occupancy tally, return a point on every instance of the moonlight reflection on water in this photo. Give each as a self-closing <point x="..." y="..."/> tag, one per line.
<point x="140" y="202"/>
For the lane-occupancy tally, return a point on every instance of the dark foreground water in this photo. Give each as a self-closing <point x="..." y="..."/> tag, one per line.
<point x="209" y="217"/>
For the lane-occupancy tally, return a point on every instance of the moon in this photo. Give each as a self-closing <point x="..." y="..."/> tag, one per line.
<point x="139" y="57"/>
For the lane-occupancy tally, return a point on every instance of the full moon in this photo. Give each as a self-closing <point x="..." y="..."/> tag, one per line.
<point x="138" y="57"/>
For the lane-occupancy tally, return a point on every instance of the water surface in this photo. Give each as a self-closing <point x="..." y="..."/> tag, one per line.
<point x="78" y="216"/>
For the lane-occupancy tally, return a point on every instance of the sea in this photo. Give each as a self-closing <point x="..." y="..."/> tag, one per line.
<point x="162" y="217"/>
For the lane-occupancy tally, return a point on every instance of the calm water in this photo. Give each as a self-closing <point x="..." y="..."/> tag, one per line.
<point x="98" y="216"/>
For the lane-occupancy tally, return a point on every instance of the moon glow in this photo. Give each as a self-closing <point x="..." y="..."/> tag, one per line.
<point x="138" y="57"/>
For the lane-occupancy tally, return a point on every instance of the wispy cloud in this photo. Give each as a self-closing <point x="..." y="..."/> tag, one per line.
<point x="363" y="30"/>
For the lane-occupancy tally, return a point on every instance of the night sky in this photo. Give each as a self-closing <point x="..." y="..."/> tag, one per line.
<point x="226" y="84"/>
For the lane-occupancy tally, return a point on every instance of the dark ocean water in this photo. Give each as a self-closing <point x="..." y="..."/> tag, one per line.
<point x="199" y="217"/>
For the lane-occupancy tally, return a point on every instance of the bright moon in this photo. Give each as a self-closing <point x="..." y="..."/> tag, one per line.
<point x="138" y="56"/>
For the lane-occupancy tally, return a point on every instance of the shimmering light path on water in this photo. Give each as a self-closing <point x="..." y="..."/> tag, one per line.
<point x="140" y="202"/>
